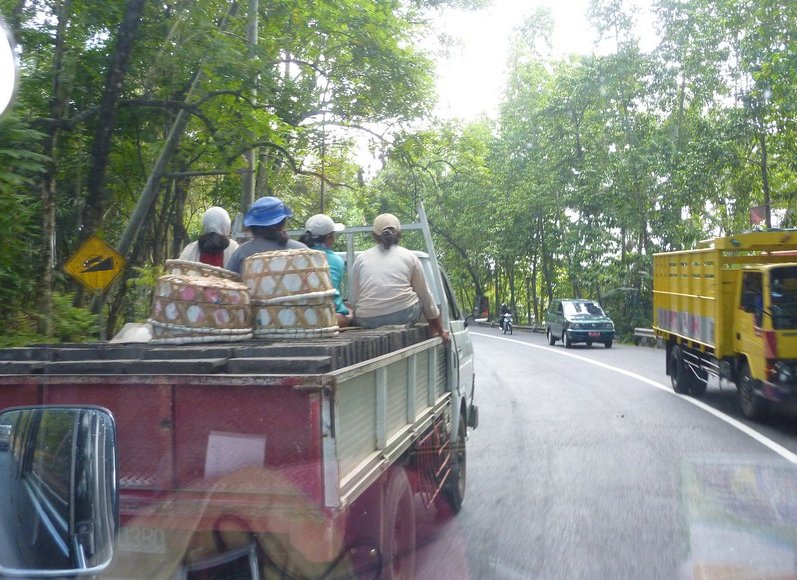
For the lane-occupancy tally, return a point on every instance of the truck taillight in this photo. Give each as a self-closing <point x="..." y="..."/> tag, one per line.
<point x="770" y="344"/>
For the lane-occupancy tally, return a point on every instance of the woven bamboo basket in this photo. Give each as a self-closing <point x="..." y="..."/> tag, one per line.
<point x="301" y="316"/>
<point x="163" y="333"/>
<point x="202" y="308"/>
<point x="198" y="269"/>
<point x="270" y="275"/>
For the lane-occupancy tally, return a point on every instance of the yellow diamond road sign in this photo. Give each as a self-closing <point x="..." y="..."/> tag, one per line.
<point x="95" y="264"/>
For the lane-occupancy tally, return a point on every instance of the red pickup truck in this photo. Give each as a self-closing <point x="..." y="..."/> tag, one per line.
<point x="304" y="458"/>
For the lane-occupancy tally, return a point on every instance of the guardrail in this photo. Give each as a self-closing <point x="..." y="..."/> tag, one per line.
<point x="645" y="336"/>
<point x="494" y="324"/>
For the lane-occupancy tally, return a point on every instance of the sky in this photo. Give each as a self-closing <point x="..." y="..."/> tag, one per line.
<point x="471" y="80"/>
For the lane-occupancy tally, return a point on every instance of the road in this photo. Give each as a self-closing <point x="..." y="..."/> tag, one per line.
<point x="586" y="465"/>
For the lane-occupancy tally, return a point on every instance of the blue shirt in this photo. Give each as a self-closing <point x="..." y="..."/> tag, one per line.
<point x="336" y="268"/>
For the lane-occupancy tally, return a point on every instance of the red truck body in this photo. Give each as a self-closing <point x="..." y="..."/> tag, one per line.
<point x="326" y="440"/>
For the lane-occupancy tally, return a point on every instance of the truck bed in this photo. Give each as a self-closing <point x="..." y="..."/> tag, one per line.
<point x="327" y="416"/>
<point x="247" y="357"/>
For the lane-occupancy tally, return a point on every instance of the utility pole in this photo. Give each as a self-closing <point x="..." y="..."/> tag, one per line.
<point x="323" y="155"/>
<point x="250" y="155"/>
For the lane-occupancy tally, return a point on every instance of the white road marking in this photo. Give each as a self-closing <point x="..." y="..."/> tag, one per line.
<point x="750" y="432"/>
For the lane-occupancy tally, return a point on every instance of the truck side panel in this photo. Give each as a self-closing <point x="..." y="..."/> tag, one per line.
<point x="380" y="409"/>
<point x="686" y="299"/>
<point x="156" y="418"/>
<point x="211" y="424"/>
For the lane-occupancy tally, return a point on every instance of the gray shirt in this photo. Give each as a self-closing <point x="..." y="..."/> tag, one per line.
<point x="256" y="246"/>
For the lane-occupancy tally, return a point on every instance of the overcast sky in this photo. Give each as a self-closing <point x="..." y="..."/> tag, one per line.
<point x="472" y="78"/>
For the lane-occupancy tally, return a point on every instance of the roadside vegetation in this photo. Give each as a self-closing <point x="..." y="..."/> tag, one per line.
<point x="133" y="117"/>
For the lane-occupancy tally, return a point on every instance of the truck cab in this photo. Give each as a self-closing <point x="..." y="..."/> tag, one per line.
<point x="765" y="334"/>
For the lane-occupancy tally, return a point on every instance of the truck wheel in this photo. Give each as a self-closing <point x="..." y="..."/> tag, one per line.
<point x="566" y="340"/>
<point x="551" y="337"/>
<point x="608" y="343"/>
<point x="454" y="487"/>
<point x="679" y="375"/>
<point x="698" y="384"/>
<point x="753" y="406"/>
<point x="397" y="544"/>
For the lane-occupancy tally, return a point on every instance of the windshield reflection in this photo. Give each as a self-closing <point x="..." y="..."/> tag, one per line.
<point x="783" y="297"/>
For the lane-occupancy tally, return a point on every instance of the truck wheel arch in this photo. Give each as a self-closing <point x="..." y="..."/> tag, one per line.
<point x="398" y="538"/>
<point x="679" y="376"/>
<point x="454" y="488"/>
<point x="753" y="405"/>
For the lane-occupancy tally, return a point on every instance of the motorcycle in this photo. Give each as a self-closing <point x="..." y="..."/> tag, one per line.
<point x="506" y="323"/>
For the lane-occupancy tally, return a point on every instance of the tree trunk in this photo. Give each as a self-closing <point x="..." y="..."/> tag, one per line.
<point x="765" y="177"/>
<point x="496" y="288"/>
<point x="477" y="283"/>
<point x="534" y="298"/>
<point x="151" y="189"/>
<point x="545" y="260"/>
<point x="96" y="197"/>
<point x="58" y="107"/>
<point x="179" y="235"/>
<point x="511" y="277"/>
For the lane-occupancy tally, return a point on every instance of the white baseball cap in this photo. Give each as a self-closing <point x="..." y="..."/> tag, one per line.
<point x="322" y="225"/>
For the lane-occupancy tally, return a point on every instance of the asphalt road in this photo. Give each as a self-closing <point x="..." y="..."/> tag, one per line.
<point x="586" y="465"/>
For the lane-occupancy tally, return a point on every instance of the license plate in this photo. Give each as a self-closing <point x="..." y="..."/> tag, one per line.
<point x="594" y="334"/>
<point x="145" y="540"/>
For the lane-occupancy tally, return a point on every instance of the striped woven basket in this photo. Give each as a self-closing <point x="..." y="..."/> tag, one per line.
<point x="311" y="314"/>
<point x="270" y="275"/>
<point x="200" y="309"/>
<point x="198" y="269"/>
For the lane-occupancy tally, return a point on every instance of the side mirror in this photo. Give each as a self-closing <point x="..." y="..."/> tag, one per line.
<point x="9" y="73"/>
<point x="59" y="476"/>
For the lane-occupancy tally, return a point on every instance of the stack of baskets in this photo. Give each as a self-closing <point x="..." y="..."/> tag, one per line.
<point x="292" y="294"/>
<point x="195" y="302"/>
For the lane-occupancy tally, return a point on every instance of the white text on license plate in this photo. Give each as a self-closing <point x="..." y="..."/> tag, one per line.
<point x="146" y="540"/>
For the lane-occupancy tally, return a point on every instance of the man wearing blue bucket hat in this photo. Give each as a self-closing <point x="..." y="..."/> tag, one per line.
<point x="266" y="219"/>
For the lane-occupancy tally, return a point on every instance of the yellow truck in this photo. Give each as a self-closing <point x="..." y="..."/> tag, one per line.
<point x="729" y="309"/>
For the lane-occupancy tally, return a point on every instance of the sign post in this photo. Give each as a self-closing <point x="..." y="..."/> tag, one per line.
<point x="95" y="265"/>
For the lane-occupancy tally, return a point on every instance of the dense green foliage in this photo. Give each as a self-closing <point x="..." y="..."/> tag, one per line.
<point x="133" y="117"/>
<point x="596" y="162"/>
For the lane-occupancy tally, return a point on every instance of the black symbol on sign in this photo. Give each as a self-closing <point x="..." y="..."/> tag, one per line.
<point x="97" y="264"/>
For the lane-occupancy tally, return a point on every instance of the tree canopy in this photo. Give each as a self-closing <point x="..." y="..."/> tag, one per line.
<point x="133" y="117"/>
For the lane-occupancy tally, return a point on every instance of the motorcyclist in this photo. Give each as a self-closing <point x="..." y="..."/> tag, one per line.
<point x="501" y="312"/>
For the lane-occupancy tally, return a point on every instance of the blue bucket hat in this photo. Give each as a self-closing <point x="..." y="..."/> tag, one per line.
<point x="267" y="211"/>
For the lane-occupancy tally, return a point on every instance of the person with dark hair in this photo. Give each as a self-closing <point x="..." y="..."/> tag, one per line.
<point x="388" y="285"/>
<point x="214" y="247"/>
<point x="501" y="312"/>
<point x="320" y="235"/>
<point x="266" y="219"/>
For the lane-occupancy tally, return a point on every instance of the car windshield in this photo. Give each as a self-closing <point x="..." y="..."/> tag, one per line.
<point x="583" y="309"/>
<point x="586" y="185"/>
